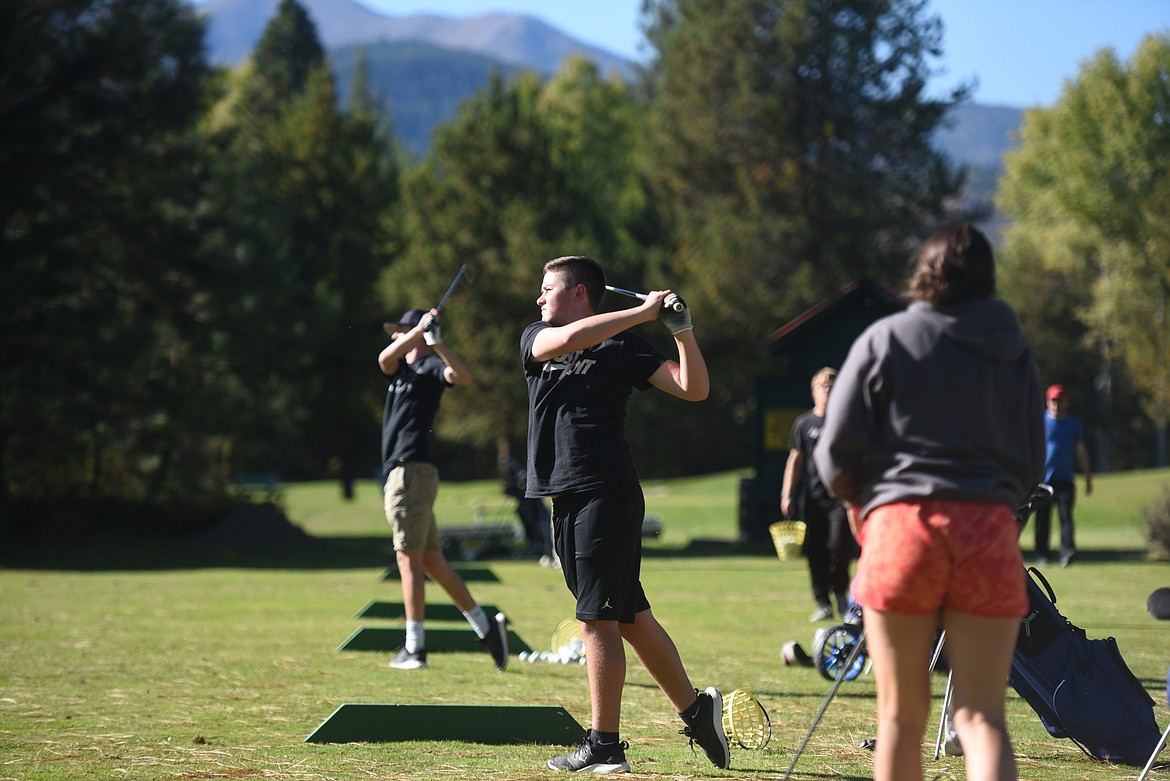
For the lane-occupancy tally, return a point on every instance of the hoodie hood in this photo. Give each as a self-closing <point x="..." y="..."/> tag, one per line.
<point x="986" y="326"/>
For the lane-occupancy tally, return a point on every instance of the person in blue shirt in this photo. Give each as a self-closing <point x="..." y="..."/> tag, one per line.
<point x="1065" y="449"/>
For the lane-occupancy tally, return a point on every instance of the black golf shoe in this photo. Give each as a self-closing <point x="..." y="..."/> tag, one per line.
<point x="591" y="758"/>
<point x="707" y="728"/>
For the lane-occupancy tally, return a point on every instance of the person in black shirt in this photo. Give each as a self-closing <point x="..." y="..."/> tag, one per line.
<point x="418" y="367"/>
<point x="581" y="367"/>
<point x="828" y="543"/>
<point x="534" y="518"/>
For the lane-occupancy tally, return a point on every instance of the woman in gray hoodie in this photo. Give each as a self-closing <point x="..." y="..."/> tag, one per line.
<point x="933" y="436"/>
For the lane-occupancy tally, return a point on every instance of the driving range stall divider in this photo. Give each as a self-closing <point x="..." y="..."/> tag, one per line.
<point x="490" y="724"/>
<point x="391" y="722"/>
<point x="440" y="639"/>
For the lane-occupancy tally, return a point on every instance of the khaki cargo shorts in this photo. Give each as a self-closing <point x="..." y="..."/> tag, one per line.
<point x="410" y="494"/>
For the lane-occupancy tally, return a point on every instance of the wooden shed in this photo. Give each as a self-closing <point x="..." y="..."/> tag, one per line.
<point x="816" y="338"/>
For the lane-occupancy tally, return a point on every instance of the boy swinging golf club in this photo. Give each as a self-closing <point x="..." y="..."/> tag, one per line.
<point x="418" y="367"/>
<point x="581" y="367"/>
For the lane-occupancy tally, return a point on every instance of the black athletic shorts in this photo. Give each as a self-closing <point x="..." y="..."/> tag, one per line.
<point x="598" y="536"/>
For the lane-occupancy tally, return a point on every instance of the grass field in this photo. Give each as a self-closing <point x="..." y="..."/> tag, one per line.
<point x="123" y="660"/>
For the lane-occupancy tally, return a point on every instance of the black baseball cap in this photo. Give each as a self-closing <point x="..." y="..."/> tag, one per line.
<point x="412" y="317"/>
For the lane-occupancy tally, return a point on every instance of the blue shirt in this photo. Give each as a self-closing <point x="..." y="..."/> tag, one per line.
<point x="1061" y="436"/>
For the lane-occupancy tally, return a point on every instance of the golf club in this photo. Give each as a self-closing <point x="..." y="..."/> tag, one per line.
<point x="854" y="652"/>
<point x="451" y="289"/>
<point x="678" y="306"/>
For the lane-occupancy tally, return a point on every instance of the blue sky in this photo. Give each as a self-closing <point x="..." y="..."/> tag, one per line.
<point x="1021" y="51"/>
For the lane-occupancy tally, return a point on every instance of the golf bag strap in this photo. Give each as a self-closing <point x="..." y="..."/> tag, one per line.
<point x="1043" y="582"/>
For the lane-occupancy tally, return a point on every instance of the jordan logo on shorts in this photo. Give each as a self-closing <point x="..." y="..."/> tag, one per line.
<point x="607" y="606"/>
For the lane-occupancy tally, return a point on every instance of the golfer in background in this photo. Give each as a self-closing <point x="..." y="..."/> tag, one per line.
<point x="829" y="546"/>
<point x="934" y="435"/>
<point x="418" y="368"/>
<point x="581" y="367"/>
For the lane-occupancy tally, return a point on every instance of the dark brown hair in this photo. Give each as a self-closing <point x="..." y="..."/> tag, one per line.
<point x="954" y="265"/>
<point x="581" y="270"/>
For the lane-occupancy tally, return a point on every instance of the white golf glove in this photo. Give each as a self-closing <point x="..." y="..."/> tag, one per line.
<point x="432" y="334"/>
<point x="677" y="320"/>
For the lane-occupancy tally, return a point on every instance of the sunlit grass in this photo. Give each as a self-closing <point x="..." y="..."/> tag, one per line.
<point x="186" y="664"/>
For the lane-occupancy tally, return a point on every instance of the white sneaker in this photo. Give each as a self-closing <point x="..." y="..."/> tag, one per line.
<point x="405" y="660"/>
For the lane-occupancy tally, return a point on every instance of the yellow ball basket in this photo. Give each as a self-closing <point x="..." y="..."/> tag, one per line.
<point x="745" y="721"/>
<point x="788" y="537"/>
<point x="565" y="633"/>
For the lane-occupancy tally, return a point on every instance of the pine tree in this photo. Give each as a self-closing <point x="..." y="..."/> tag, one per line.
<point x="791" y="148"/>
<point x="100" y="286"/>
<point x="303" y="195"/>
<point x="525" y="173"/>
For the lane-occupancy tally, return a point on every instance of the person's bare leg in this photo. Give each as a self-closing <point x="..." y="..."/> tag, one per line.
<point x="658" y="654"/>
<point x="605" y="664"/>
<point x="435" y="565"/>
<point x="899" y="645"/>
<point x="979" y="651"/>
<point x="410" y="571"/>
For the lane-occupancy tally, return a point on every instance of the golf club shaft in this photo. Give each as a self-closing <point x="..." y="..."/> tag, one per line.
<point x="678" y="307"/>
<point x="451" y="289"/>
<point x="854" y="652"/>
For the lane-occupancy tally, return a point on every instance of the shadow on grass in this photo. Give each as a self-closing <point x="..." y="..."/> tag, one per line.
<point x="122" y="552"/>
<point x="704" y="547"/>
<point x="138" y="554"/>
<point x="260" y="536"/>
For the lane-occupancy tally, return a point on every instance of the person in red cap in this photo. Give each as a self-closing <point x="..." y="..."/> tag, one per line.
<point x="1065" y="447"/>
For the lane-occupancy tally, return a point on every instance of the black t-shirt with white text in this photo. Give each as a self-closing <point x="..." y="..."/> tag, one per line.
<point x="412" y="401"/>
<point x="577" y="412"/>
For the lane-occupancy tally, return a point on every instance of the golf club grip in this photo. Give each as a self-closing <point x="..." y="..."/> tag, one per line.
<point x="677" y="306"/>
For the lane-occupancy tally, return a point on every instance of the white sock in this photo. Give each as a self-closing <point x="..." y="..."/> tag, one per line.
<point x="416" y="636"/>
<point x="478" y="620"/>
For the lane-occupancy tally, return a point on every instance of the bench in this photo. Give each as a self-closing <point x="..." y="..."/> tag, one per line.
<point x="473" y="539"/>
<point x="266" y="484"/>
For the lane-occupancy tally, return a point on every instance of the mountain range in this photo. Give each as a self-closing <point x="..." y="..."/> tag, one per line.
<point x="424" y="65"/>
<point x="513" y="39"/>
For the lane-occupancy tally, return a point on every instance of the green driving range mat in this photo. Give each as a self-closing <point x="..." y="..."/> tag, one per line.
<point x="474" y="573"/>
<point x="493" y="724"/>
<point x="440" y="612"/>
<point x="376" y="638"/>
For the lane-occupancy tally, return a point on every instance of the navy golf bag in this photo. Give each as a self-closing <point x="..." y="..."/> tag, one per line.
<point x="1080" y="688"/>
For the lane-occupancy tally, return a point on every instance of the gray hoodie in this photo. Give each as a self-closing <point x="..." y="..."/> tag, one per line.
<point x="938" y="403"/>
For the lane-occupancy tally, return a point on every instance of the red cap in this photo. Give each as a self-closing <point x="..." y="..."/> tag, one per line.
<point x="1055" y="392"/>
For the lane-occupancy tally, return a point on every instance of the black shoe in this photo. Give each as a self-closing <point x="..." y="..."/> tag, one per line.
<point x="707" y="730"/>
<point x="1067" y="558"/>
<point x="405" y="660"/>
<point x="496" y="640"/>
<point x="591" y="758"/>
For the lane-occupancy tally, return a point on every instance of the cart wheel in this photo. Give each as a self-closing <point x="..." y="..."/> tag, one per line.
<point x="831" y="651"/>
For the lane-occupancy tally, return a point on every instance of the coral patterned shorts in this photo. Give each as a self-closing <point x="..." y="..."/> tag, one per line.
<point x="921" y="557"/>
